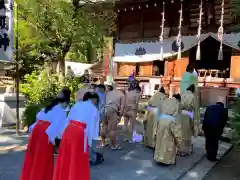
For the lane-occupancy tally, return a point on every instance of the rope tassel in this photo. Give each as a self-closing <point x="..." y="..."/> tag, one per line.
<point x="179" y="52"/>
<point x="179" y="37"/>
<point x="220" y="34"/>
<point x="161" y="35"/>
<point x="198" y="53"/>
<point x="161" y="53"/>
<point x="220" y="53"/>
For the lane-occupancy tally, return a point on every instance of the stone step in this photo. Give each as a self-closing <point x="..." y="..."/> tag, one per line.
<point x="202" y="167"/>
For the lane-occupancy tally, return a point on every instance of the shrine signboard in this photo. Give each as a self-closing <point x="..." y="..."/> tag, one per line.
<point x="6" y="30"/>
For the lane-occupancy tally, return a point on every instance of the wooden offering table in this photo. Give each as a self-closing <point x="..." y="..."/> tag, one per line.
<point x="210" y="95"/>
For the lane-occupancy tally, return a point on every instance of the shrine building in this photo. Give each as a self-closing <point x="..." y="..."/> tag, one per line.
<point x="157" y="39"/>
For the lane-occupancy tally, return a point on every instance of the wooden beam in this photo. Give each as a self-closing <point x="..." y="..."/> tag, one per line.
<point x="141" y="25"/>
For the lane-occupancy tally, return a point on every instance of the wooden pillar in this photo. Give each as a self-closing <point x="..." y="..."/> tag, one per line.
<point x="234" y="69"/>
<point x="165" y="68"/>
<point x="142" y="25"/>
<point x="107" y="54"/>
<point x="118" y="28"/>
<point x="180" y="66"/>
<point x="116" y="68"/>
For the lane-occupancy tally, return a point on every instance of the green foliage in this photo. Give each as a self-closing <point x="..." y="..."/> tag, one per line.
<point x="27" y="48"/>
<point x="63" y="28"/>
<point x="236" y="7"/>
<point x="236" y="122"/>
<point x="40" y="89"/>
<point x="235" y="27"/>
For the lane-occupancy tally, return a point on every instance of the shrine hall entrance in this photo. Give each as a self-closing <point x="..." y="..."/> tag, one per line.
<point x="158" y="68"/>
<point x="209" y="65"/>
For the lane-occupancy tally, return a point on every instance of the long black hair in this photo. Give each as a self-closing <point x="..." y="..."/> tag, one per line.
<point x="220" y="103"/>
<point x="177" y="96"/>
<point x="191" y="88"/>
<point x="190" y="67"/>
<point x="138" y="88"/>
<point x="90" y="95"/>
<point x="51" y="105"/>
<point x="162" y="90"/>
<point x="64" y="96"/>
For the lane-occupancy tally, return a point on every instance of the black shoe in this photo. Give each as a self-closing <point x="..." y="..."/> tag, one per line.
<point x="99" y="159"/>
<point x="212" y="159"/>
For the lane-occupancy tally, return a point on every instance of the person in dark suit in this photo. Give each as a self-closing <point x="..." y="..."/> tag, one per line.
<point x="215" y="119"/>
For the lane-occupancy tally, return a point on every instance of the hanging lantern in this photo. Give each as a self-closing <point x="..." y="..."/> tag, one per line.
<point x="161" y="35"/>
<point x="179" y="37"/>
<point x="198" y="53"/>
<point x="220" y="34"/>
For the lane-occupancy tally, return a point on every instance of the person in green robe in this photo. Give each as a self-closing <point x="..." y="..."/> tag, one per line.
<point x="188" y="78"/>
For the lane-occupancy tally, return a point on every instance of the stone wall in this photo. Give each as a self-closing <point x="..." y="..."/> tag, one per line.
<point x="8" y="106"/>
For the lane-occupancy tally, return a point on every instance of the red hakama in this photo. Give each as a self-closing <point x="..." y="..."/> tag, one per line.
<point x="72" y="160"/>
<point x="39" y="158"/>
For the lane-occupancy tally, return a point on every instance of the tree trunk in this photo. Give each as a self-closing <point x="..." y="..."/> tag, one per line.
<point x="65" y="48"/>
<point x="61" y="62"/>
<point x="61" y="58"/>
<point x="92" y="55"/>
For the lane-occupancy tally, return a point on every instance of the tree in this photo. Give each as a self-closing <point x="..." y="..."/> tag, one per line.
<point x="63" y="26"/>
<point x="236" y="11"/>
<point x="236" y="7"/>
<point x="27" y="47"/>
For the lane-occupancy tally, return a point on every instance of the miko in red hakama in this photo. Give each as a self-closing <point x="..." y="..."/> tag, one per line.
<point x="39" y="158"/>
<point x="73" y="160"/>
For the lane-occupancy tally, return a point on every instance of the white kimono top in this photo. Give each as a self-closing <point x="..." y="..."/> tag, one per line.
<point x="57" y="118"/>
<point x="86" y="112"/>
<point x="41" y="115"/>
<point x="58" y="122"/>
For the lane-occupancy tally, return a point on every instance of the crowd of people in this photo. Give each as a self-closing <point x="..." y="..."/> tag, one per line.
<point x="171" y="122"/>
<point x="97" y="111"/>
<point x="75" y="131"/>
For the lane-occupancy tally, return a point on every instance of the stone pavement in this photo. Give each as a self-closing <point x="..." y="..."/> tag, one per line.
<point x="9" y="139"/>
<point x="136" y="163"/>
<point x="227" y="168"/>
<point x="132" y="162"/>
<point x="11" y="154"/>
